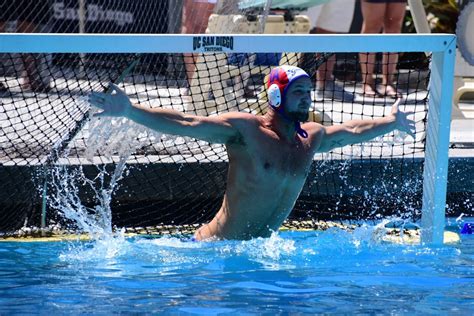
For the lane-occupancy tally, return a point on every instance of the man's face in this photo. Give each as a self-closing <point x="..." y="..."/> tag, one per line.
<point x="298" y="99"/>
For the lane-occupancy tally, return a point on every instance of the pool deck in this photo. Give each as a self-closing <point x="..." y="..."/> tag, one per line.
<point x="462" y="136"/>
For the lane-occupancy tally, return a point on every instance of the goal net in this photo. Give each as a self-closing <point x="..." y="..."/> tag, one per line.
<point x="48" y="139"/>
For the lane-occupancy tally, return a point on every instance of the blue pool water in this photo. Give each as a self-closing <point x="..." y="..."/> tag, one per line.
<point x="293" y="272"/>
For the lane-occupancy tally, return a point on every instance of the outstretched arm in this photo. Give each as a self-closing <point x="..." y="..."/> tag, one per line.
<point x="359" y="131"/>
<point x="216" y="129"/>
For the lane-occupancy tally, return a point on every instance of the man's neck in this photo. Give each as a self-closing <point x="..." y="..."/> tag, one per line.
<point x="280" y="125"/>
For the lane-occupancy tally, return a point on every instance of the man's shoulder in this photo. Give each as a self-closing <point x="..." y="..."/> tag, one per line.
<point x="243" y="123"/>
<point x="315" y="132"/>
<point x="313" y="128"/>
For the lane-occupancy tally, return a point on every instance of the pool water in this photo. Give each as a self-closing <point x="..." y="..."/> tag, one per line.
<point x="291" y="272"/>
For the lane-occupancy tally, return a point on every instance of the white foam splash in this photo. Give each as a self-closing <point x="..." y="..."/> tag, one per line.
<point x="108" y="137"/>
<point x="68" y="183"/>
<point x="116" y="136"/>
<point x="103" y="249"/>
<point x="268" y="251"/>
<point x="174" y="242"/>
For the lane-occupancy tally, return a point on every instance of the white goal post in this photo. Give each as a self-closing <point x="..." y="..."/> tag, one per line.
<point x="442" y="47"/>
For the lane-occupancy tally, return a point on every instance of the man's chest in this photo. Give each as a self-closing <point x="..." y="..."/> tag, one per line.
<point x="282" y="158"/>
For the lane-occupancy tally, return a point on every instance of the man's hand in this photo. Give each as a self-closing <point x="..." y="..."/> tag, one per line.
<point x="113" y="103"/>
<point x="402" y="123"/>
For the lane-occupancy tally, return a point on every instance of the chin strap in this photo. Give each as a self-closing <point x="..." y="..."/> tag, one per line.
<point x="300" y="131"/>
<point x="298" y="128"/>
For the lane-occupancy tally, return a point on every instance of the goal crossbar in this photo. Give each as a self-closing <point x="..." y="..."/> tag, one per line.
<point x="256" y="43"/>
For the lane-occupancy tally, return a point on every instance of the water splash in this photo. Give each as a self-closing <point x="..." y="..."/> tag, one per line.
<point x="273" y="248"/>
<point x="105" y="248"/>
<point x="69" y="182"/>
<point x="120" y="136"/>
<point x="112" y="138"/>
<point x="373" y="199"/>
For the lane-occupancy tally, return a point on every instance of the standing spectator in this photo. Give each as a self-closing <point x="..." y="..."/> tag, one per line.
<point x="195" y="17"/>
<point x="386" y="16"/>
<point x="3" y="88"/>
<point x="28" y="16"/>
<point x="331" y="18"/>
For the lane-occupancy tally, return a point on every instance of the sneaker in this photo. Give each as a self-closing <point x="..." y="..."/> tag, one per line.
<point x="389" y="91"/>
<point x="210" y="96"/>
<point x="4" y="90"/>
<point x="333" y="90"/>
<point x="185" y="92"/>
<point x="37" y="87"/>
<point x="40" y="88"/>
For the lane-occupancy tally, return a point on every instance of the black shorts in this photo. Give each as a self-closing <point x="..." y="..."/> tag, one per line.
<point x="37" y="12"/>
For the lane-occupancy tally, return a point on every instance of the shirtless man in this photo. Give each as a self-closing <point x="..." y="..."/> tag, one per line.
<point x="269" y="155"/>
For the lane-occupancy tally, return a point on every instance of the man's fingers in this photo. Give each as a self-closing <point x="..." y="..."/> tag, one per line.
<point x="395" y="105"/>
<point x="114" y="87"/>
<point x="411" y="129"/>
<point x="111" y="88"/>
<point x="111" y="103"/>
<point x="97" y="95"/>
<point x="397" y="102"/>
<point x="96" y="99"/>
<point x="100" y="114"/>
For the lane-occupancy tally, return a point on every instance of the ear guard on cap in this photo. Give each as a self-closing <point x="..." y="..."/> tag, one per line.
<point x="274" y="95"/>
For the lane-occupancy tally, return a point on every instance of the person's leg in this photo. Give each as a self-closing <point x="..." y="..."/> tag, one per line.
<point x="28" y="60"/>
<point x="3" y="88"/>
<point x="394" y="15"/>
<point x="314" y="15"/>
<point x="32" y="63"/>
<point x="334" y="17"/>
<point x="373" y="14"/>
<point x="195" y="18"/>
<point x="324" y="72"/>
<point x="326" y="86"/>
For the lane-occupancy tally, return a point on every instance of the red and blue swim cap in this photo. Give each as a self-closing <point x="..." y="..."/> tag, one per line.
<point x="278" y="83"/>
<point x="280" y="80"/>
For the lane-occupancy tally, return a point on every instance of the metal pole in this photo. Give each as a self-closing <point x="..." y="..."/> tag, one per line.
<point x="263" y="17"/>
<point x="435" y="170"/>
<point x="82" y="29"/>
<point x="419" y="16"/>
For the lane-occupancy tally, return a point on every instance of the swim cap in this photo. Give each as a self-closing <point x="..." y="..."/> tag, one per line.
<point x="279" y="81"/>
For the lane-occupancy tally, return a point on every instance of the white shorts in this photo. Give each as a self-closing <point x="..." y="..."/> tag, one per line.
<point x="335" y="16"/>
